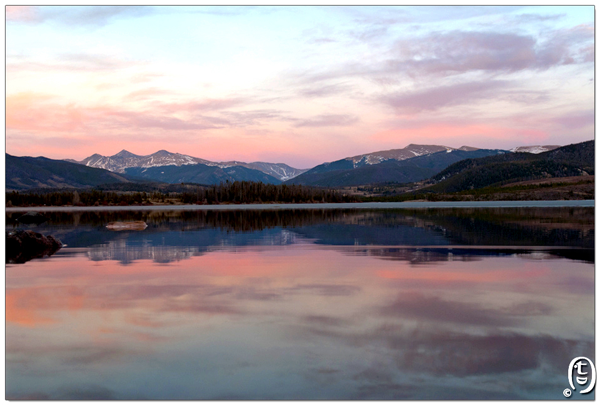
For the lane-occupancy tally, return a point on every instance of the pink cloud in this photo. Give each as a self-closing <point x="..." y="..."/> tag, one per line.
<point x="150" y="93"/>
<point x="443" y="96"/>
<point x="37" y="125"/>
<point x="135" y="119"/>
<point x="33" y="112"/>
<point x="328" y="120"/>
<point x="576" y="120"/>
<point x="200" y="105"/>
<point x="62" y="118"/>
<point x="22" y="13"/>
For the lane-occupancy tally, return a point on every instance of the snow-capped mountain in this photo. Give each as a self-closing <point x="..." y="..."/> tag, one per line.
<point x="535" y="149"/>
<point x="410" y="164"/>
<point x="125" y="159"/>
<point x="410" y="151"/>
<point x="280" y="171"/>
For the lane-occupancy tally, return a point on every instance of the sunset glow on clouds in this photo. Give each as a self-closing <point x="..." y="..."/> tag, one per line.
<point x="300" y="85"/>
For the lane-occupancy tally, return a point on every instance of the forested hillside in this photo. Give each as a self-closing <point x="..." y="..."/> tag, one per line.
<point x="28" y="172"/>
<point x="571" y="160"/>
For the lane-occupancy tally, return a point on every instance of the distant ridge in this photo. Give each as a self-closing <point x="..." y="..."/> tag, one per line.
<point x="411" y="164"/>
<point x="28" y="172"/>
<point x="570" y="160"/>
<point x="200" y="173"/>
<point x="125" y="159"/>
<point x="410" y="151"/>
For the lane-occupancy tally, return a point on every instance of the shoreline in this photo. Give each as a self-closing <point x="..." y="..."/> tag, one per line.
<point x="314" y="206"/>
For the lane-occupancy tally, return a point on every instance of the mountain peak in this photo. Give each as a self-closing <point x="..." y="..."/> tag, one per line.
<point x="124" y="154"/>
<point x="163" y="152"/>
<point x="411" y="146"/>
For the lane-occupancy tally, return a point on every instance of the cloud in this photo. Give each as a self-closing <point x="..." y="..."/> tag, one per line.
<point x="69" y="118"/>
<point x="576" y="119"/>
<point x="587" y="54"/>
<point x="250" y="293"/>
<point x="56" y="117"/>
<point x="81" y="62"/>
<point x="493" y="135"/>
<point x="147" y="93"/>
<point x="463" y="51"/>
<point x="85" y="61"/>
<point x="21" y="13"/>
<point x="567" y="46"/>
<point x="420" y="14"/>
<point x="200" y="105"/>
<point x="443" y="96"/>
<point x="328" y="120"/>
<point x="413" y="305"/>
<point x="250" y="117"/>
<point x="457" y="52"/>
<point x="220" y="110"/>
<point x="92" y="16"/>
<point x="322" y="40"/>
<point x="327" y="290"/>
<point x="530" y="17"/>
<point x="443" y="353"/>
<point x="133" y="119"/>
<point x="326" y="321"/>
<point x="323" y="90"/>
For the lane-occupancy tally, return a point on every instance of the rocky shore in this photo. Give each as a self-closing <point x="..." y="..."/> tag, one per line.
<point x="25" y="245"/>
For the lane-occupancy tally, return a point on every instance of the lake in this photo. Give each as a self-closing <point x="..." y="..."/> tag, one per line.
<point x="435" y="303"/>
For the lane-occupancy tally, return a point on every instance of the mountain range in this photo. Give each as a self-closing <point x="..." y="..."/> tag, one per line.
<point x="410" y="151"/>
<point x="570" y="160"/>
<point x="405" y="165"/>
<point x="123" y="160"/>
<point x="411" y="164"/>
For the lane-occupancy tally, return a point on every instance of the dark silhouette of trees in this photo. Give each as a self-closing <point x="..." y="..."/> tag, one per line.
<point x="228" y="192"/>
<point x="258" y="192"/>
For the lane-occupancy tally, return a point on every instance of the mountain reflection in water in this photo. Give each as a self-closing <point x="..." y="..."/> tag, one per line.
<point x="172" y="236"/>
<point x="410" y="304"/>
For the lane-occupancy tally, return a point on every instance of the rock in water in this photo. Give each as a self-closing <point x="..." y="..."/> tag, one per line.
<point x="32" y="217"/>
<point x="127" y="225"/>
<point x="23" y="246"/>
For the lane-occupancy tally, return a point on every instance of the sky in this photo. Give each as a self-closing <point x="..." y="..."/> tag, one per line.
<point x="300" y="85"/>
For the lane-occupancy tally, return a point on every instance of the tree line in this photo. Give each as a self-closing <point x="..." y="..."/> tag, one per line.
<point x="229" y="192"/>
<point x="258" y="192"/>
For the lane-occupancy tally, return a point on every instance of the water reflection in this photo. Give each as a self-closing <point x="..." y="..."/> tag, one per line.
<point x="392" y="305"/>
<point x="172" y="236"/>
<point x="295" y="322"/>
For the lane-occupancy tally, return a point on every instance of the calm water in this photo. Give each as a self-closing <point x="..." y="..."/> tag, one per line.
<point x="304" y="304"/>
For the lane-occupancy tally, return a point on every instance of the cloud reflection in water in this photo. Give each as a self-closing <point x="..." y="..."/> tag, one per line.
<point x="295" y="321"/>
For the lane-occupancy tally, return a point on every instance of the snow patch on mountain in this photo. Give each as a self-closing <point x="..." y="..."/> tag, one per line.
<point x="125" y="159"/>
<point x="535" y="149"/>
<point x="410" y="151"/>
